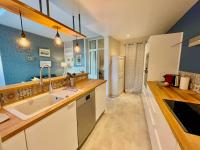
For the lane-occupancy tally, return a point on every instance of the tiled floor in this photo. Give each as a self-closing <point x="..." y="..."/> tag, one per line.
<point x="122" y="127"/>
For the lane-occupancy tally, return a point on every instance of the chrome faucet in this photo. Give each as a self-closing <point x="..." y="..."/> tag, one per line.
<point x="49" y="75"/>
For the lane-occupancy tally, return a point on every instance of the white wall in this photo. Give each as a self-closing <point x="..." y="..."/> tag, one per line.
<point x="114" y="46"/>
<point x="164" y="55"/>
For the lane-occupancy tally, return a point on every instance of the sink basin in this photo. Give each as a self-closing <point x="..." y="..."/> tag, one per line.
<point x="65" y="92"/>
<point x="32" y="106"/>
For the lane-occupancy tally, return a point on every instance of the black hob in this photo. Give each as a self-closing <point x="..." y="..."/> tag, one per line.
<point x="187" y="114"/>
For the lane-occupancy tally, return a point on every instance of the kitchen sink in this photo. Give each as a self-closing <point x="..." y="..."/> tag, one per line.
<point x="66" y="92"/>
<point x="32" y="106"/>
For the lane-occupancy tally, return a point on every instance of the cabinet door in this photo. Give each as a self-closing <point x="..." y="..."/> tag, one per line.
<point x="160" y="52"/>
<point x="55" y="132"/>
<point x="16" y="142"/>
<point x="100" y="98"/>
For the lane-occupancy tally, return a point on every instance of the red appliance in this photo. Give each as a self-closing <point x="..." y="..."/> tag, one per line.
<point x="169" y="78"/>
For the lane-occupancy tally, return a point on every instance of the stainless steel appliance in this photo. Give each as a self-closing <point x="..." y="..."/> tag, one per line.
<point x="85" y="109"/>
<point x="187" y="114"/>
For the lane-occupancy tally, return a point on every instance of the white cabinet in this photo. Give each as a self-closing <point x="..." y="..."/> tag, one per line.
<point x="55" y="132"/>
<point x="100" y="99"/>
<point x="16" y="142"/>
<point x="164" y="55"/>
<point x="160" y="133"/>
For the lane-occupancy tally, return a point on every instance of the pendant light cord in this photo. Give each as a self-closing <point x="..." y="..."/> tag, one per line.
<point x="21" y="21"/>
<point x="57" y="34"/>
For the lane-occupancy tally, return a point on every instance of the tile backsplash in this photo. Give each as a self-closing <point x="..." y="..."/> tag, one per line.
<point x="194" y="80"/>
<point x="11" y="95"/>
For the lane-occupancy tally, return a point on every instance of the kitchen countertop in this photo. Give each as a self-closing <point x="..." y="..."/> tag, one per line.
<point x="186" y="141"/>
<point x="15" y="125"/>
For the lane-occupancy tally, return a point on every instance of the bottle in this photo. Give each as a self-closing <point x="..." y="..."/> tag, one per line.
<point x="176" y="80"/>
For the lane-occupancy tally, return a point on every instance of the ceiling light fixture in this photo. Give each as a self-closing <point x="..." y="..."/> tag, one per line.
<point x="77" y="48"/>
<point x="58" y="41"/>
<point x="23" y="42"/>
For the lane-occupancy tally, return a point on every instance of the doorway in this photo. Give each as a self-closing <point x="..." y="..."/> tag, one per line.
<point x="96" y="58"/>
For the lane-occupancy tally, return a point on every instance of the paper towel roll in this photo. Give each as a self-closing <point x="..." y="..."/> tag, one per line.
<point x="184" y="83"/>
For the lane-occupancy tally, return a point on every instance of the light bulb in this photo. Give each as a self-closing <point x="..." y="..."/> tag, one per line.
<point x="77" y="48"/>
<point x="58" y="41"/>
<point x="23" y="42"/>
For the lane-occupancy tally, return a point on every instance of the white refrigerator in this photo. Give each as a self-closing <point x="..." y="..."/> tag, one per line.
<point x="117" y="75"/>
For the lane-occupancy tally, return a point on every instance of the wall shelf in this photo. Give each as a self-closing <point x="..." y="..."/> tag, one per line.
<point x="15" y="6"/>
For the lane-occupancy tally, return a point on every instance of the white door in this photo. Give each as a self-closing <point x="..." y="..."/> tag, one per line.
<point x="93" y="59"/>
<point x="93" y="64"/>
<point x="96" y="58"/>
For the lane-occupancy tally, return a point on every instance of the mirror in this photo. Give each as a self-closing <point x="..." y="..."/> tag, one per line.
<point x="19" y="65"/>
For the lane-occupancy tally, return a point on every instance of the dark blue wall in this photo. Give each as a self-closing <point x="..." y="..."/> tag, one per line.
<point x="16" y="67"/>
<point x="190" y="25"/>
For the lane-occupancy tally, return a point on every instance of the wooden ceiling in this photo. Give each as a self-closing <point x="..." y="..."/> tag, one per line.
<point x="30" y="13"/>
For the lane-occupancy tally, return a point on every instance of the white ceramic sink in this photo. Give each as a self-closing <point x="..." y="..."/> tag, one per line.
<point x="30" y="107"/>
<point x="65" y="92"/>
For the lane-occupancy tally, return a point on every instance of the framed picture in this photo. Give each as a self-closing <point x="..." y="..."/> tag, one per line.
<point x="78" y="60"/>
<point x="44" y="52"/>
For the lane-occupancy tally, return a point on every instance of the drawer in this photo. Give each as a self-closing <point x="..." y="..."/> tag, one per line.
<point x="146" y="95"/>
<point x="148" y="109"/>
<point x="167" y="139"/>
<point x="148" y="115"/>
<point x="157" y="145"/>
<point x="153" y="101"/>
<point x="155" y="141"/>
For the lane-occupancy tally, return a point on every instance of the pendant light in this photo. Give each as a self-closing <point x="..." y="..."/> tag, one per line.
<point x="77" y="48"/>
<point x="57" y="40"/>
<point x="23" y="42"/>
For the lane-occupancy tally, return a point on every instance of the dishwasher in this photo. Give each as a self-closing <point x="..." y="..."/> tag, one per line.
<point x="85" y="111"/>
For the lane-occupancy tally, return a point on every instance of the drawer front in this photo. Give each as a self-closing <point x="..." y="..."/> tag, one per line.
<point x="157" y="145"/>
<point x="165" y="134"/>
<point x="152" y="101"/>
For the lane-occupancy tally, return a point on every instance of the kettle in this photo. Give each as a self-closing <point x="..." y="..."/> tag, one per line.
<point x="169" y="78"/>
<point x="172" y="79"/>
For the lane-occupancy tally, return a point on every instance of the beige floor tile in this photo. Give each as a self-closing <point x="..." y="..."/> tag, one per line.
<point x="122" y="127"/>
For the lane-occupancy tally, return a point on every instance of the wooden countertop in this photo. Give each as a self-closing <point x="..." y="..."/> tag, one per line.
<point x="15" y="125"/>
<point x="186" y="141"/>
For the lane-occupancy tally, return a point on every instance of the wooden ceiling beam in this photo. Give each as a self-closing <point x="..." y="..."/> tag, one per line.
<point x="15" y="6"/>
